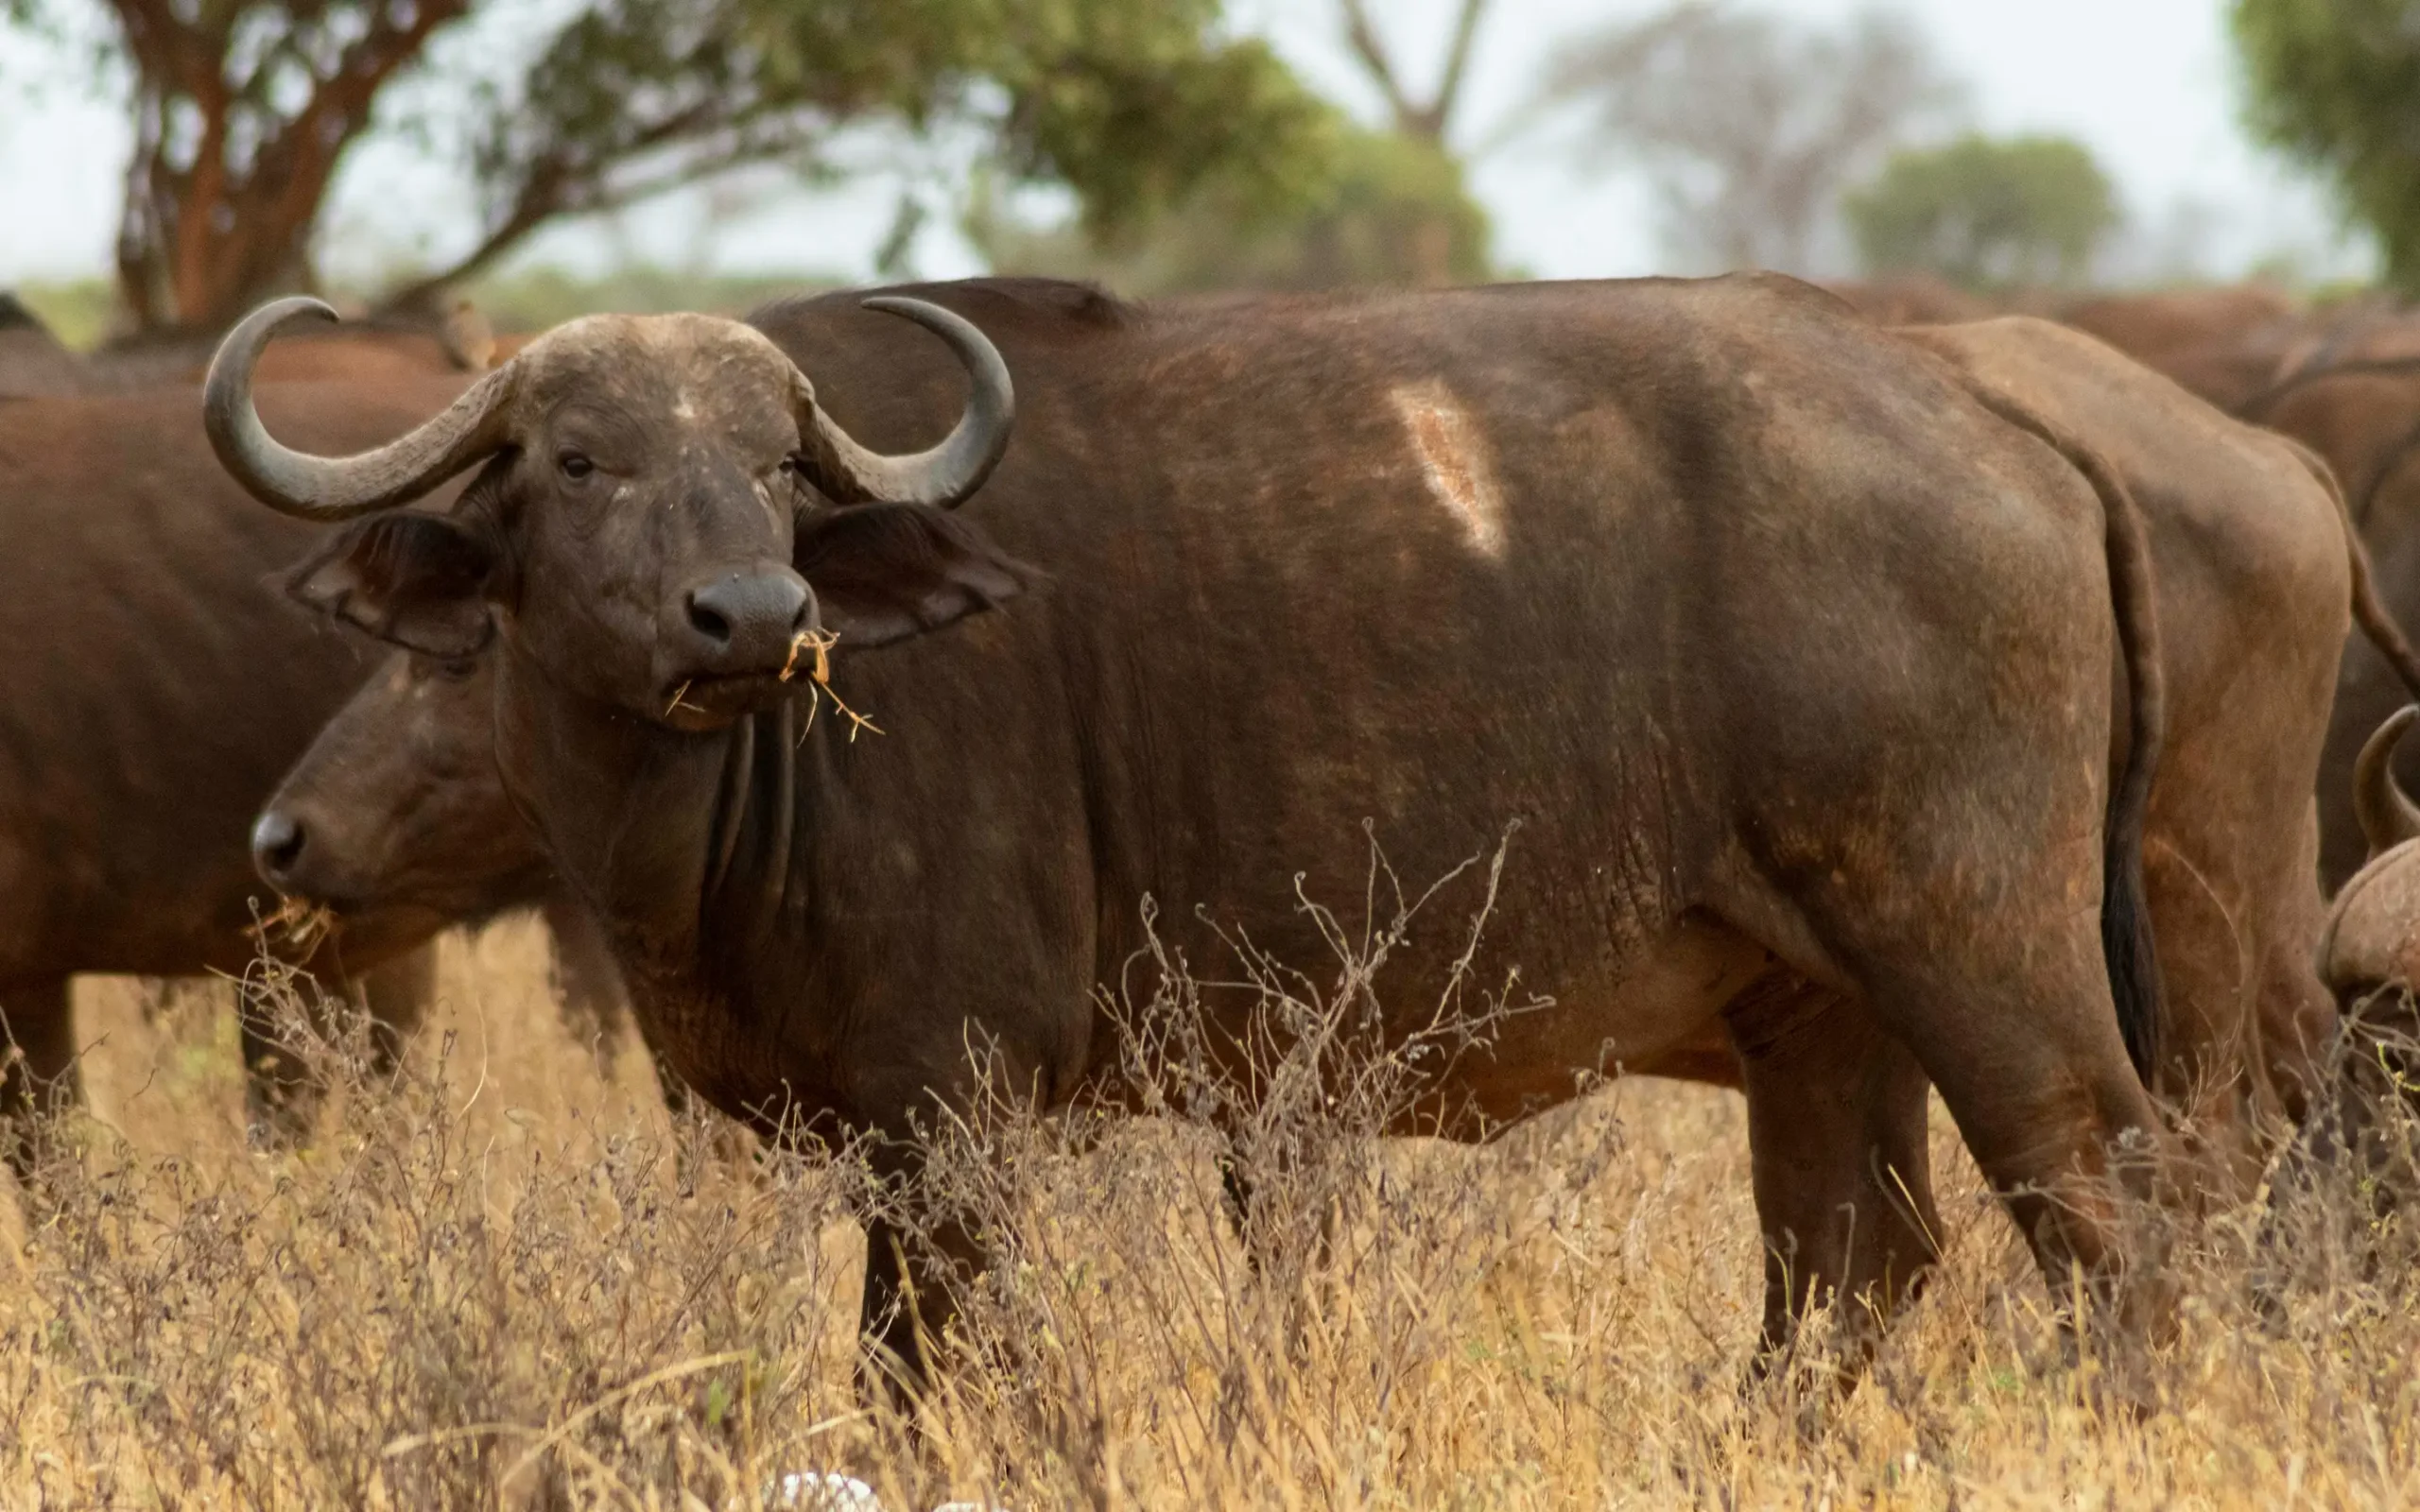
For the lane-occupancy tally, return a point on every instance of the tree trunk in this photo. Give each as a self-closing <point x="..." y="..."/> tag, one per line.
<point x="224" y="189"/>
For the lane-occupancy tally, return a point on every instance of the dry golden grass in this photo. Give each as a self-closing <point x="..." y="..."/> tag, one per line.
<point x="514" y="1280"/>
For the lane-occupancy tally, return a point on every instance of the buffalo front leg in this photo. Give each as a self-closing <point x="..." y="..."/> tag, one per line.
<point x="1836" y="1132"/>
<point x="917" y="1258"/>
<point x="282" y="1091"/>
<point x="588" y="986"/>
<point x="42" y="1073"/>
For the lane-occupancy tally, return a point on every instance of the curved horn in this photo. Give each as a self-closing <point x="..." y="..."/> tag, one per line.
<point x="946" y="474"/>
<point x="322" y="488"/>
<point x="2388" y="819"/>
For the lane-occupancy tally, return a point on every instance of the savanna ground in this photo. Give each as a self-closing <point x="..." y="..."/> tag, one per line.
<point x="515" y="1279"/>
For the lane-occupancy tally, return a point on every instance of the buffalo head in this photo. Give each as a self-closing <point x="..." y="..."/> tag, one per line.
<point x="2372" y="941"/>
<point x="664" y="516"/>
<point x="398" y="803"/>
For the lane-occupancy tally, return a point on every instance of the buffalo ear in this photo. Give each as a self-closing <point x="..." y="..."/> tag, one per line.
<point x="884" y="572"/>
<point x="417" y="581"/>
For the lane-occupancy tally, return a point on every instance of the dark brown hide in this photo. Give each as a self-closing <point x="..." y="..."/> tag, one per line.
<point x="2370" y="956"/>
<point x="397" y="807"/>
<point x="1792" y="660"/>
<point x="31" y="360"/>
<point x="33" y="365"/>
<point x="2254" y="596"/>
<point x="2347" y="385"/>
<point x="2226" y="344"/>
<point x="156" y="685"/>
<point x="1911" y="298"/>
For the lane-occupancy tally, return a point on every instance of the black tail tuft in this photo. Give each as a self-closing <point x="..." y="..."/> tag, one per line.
<point x="2128" y="947"/>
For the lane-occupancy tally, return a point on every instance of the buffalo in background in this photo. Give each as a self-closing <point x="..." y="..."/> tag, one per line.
<point x="156" y="687"/>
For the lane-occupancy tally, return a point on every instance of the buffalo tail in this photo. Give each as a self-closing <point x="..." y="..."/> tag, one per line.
<point x="2127" y="945"/>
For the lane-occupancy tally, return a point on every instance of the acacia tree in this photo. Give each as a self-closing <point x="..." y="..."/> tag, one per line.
<point x="2335" y="83"/>
<point x="1393" y="208"/>
<point x="245" y="110"/>
<point x="1987" y="213"/>
<point x="1749" y="126"/>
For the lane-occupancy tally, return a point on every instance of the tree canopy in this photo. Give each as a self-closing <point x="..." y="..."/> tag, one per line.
<point x="1396" y="211"/>
<point x="1987" y="213"/>
<point x="1749" y="125"/>
<point x="2337" y="84"/>
<point x="244" y="110"/>
<point x="1396" y="208"/>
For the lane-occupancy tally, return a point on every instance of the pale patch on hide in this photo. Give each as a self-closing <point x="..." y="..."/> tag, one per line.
<point x="1453" y="454"/>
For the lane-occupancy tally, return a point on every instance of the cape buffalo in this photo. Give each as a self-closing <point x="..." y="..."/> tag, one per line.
<point x="2348" y="387"/>
<point x="1793" y="658"/>
<point x="156" y="687"/>
<point x="2373" y="938"/>
<point x="397" y="806"/>
<point x="402" y="799"/>
<point x="2258" y="573"/>
<point x="2226" y="344"/>
<point x="31" y="360"/>
<point x="2370" y="956"/>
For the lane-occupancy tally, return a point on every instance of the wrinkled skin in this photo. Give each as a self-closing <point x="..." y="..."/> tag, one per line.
<point x="156" y="688"/>
<point x="1792" y="659"/>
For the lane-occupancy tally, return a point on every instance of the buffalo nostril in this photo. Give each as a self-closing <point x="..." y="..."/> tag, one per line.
<point x="745" y="621"/>
<point x="708" y="620"/>
<point x="277" y="845"/>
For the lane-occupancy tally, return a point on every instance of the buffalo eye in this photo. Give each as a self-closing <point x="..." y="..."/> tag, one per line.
<point x="575" y="465"/>
<point x="455" y="669"/>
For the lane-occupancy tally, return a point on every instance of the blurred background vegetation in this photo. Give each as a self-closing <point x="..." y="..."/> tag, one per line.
<point x="1151" y="144"/>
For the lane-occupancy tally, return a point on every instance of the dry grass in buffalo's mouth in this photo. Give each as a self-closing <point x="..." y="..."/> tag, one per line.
<point x="821" y="642"/>
<point x="299" y="922"/>
<point x="513" y="1280"/>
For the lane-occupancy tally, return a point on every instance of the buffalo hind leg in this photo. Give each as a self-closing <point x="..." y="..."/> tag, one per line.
<point x="1835" y="1128"/>
<point x="2017" y="1031"/>
<point x="42" y="1073"/>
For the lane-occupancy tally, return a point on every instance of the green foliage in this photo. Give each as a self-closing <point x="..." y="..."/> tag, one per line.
<point x="1987" y="213"/>
<point x="1395" y="211"/>
<point x="1748" y="124"/>
<point x="78" y="310"/>
<point x="1134" y="105"/>
<point x="243" y="108"/>
<point x="537" y="299"/>
<point x="2337" y="84"/>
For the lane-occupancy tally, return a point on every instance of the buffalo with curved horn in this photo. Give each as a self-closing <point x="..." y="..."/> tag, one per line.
<point x="1800" y="653"/>
<point x="485" y="420"/>
<point x="2372" y="942"/>
<point x="653" y="432"/>
<point x="2370" y="957"/>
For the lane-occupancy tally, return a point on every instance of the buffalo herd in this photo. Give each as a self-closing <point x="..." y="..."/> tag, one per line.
<point x="1876" y="700"/>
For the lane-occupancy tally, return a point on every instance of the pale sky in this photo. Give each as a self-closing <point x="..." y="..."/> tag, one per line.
<point x="2149" y="84"/>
